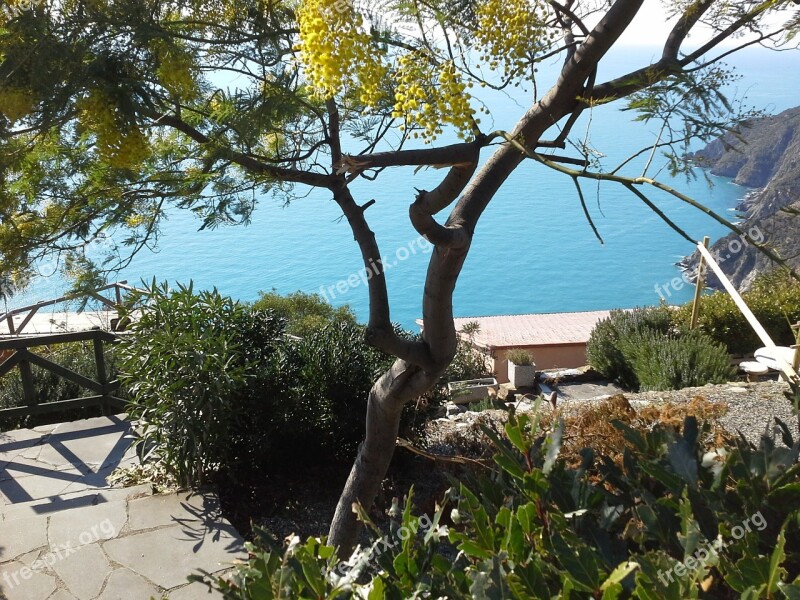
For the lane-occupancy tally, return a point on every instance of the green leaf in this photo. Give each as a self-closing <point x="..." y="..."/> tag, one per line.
<point x="377" y="591"/>
<point x="580" y="563"/>
<point x="616" y="576"/>
<point x="776" y="571"/>
<point x="690" y="531"/>
<point x="553" y="445"/>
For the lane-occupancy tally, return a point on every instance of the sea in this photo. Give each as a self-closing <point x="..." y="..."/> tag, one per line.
<point x="533" y="250"/>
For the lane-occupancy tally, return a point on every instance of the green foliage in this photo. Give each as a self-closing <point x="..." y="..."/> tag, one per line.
<point x="468" y="363"/>
<point x="663" y="362"/>
<point x="184" y="364"/>
<point x="218" y="385"/>
<point x="77" y="357"/>
<point x="304" y="313"/>
<point x="774" y="299"/>
<point x="520" y="357"/>
<point x="338" y="370"/>
<point x="604" y="350"/>
<point x="671" y="519"/>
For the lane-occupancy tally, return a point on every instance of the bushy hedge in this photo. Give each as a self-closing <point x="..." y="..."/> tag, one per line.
<point x="671" y="362"/>
<point x="607" y="345"/>
<point x="667" y="517"/>
<point x="774" y="299"/>
<point x="218" y="385"/>
<point x="304" y="313"/>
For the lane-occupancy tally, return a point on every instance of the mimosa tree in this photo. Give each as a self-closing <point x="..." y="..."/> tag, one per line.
<point x="115" y="111"/>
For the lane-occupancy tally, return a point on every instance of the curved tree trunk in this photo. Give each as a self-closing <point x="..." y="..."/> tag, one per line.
<point x="420" y="364"/>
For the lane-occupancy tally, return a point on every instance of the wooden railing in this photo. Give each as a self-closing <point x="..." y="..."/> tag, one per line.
<point x="15" y="353"/>
<point x="29" y="311"/>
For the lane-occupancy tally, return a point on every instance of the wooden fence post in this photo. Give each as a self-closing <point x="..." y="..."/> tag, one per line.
<point x="102" y="379"/>
<point x="699" y="285"/>
<point x="28" y="387"/>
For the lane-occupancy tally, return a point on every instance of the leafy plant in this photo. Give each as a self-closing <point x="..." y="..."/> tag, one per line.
<point x="184" y="363"/>
<point x="304" y="313"/>
<point x="468" y="362"/>
<point x="774" y="299"/>
<point x="666" y="362"/>
<point x="676" y="518"/>
<point x="605" y="347"/>
<point x="520" y="357"/>
<point x="217" y="385"/>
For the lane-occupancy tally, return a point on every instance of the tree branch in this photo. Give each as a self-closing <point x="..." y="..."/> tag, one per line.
<point x="688" y="19"/>
<point x="630" y="182"/>
<point x="380" y="332"/>
<point x="248" y="162"/>
<point x="453" y="154"/>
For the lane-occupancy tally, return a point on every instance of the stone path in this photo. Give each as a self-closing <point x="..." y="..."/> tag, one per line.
<point x="65" y="534"/>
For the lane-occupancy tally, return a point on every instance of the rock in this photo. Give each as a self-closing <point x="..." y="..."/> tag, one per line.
<point x="452" y="409"/>
<point x="766" y="157"/>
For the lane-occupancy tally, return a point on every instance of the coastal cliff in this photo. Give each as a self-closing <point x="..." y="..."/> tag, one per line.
<point x="763" y="155"/>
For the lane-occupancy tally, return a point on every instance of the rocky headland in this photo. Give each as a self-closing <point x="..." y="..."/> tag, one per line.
<point x="763" y="155"/>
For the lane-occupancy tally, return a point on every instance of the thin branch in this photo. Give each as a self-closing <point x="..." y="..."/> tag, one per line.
<point x="586" y="210"/>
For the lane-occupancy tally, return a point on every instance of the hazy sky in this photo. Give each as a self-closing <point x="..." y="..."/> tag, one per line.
<point x="650" y="27"/>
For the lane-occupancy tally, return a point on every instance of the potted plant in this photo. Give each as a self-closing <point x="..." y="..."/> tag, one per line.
<point x="521" y="368"/>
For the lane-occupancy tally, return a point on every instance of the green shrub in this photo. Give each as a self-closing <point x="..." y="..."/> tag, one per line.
<point x="665" y="362"/>
<point x="673" y="519"/>
<point x="604" y="350"/>
<point x="219" y="386"/>
<point x="304" y="313"/>
<point x="468" y="362"/>
<point x="338" y="371"/>
<point x="184" y="364"/>
<point x="520" y="357"/>
<point x="774" y="299"/>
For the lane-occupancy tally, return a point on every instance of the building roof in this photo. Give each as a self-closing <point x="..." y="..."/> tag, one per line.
<point x="546" y="329"/>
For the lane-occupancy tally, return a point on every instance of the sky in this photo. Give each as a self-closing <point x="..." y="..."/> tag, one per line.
<point x="651" y="27"/>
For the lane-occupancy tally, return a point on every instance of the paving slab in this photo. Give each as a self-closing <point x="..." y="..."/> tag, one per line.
<point x="171" y="509"/>
<point x="21" y="536"/>
<point x="83" y="572"/>
<point x="123" y="584"/>
<point x="97" y="441"/>
<point x="66" y="534"/>
<point x="20" y="582"/>
<point x="168" y="555"/>
<point x="87" y="525"/>
<point x="194" y="591"/>
<point x="62" y="595"/>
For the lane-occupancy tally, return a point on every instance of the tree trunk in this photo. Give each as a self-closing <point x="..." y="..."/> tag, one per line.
<point x="400" y="384"/>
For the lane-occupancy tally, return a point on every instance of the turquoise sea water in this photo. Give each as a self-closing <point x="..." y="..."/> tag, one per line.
<point x="533" y="250"/>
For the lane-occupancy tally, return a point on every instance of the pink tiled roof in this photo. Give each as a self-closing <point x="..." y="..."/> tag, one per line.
<point x="507" y="331"/>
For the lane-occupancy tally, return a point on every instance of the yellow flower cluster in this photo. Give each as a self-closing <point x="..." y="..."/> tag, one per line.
<point x="337" y="53"/>
<point x="16" y="103"/>
<point x="175" y="70"/>
<point x="430" y="99"/>
<point x="118" y="145"/>
<point x="509" y="32"/>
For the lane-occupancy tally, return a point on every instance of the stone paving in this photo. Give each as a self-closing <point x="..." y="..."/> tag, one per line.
<point x="66" y="534"/>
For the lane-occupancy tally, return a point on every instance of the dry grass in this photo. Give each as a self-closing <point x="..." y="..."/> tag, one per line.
<point x="590" y="425"/>
<point x="593" y="427"/>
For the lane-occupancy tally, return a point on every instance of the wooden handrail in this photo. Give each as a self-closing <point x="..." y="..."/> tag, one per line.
<point x="22" y="358"/>
<point x="32" y="309"/>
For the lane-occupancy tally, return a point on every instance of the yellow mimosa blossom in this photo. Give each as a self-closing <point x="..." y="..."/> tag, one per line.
<point x="120" y="146"/>
<point x="432" y="98"/>
<point x="337" y="53"/>
<point x="16" y="103"/>
<point x="509" y="32"/>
